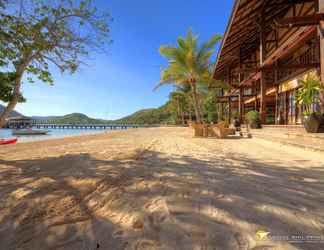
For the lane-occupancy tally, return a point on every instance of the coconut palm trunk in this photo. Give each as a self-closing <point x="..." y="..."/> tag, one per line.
<point x="183" y="118"/>
<point x="179" y="110"/>
<point x="195" y="101"/>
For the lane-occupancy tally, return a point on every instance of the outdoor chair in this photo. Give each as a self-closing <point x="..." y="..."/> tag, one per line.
<point x="191" y="124"/>
<point x="221" y="130"/>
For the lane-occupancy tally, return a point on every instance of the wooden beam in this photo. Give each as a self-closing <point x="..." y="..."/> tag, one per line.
<point x="290" y="66"/>
<point x="280" y="67"/>
<point x="296" y="39"/>
<point x="300" y="21"/>
<point x="290" y="2"/>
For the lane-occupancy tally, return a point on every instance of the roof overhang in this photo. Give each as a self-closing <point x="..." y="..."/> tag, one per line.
<point x="242" y="34"/>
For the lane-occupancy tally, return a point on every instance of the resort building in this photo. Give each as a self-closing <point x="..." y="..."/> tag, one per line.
<point x="268" y="46"/>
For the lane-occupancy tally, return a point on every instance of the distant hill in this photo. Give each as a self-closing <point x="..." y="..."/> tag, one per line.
<point x="13" y="113"/>
<point x="147" y="116"/>
<point x="74" y="118"/>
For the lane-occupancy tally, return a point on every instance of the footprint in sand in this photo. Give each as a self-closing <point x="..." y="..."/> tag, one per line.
<point x="119" y="234"/>
<point x="242" y="241"/>
<point x="144" y="245"/>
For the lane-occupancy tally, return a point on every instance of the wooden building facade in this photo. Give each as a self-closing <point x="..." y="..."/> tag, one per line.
<point x="268" y="46"/>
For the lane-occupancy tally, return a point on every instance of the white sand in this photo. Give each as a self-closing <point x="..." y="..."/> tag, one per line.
<point x="158" y="189"/>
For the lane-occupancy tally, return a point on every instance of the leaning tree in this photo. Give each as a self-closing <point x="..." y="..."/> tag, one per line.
<point x="38" y="35"/>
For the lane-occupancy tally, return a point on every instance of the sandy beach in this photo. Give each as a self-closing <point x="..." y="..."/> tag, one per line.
<point x="159" y="188"/>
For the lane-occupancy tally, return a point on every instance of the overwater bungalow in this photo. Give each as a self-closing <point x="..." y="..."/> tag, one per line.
<point x="268" y="46"/>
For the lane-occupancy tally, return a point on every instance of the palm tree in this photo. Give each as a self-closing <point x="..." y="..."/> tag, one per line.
<point x="189" y="63"/>
<point x="179" y="102"/>
<point x="309" y="92"/>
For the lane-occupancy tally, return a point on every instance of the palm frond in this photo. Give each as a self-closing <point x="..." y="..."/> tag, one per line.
<point x="168" y="52"/>
<point x="211" y="42"/>
<point x="183" y="43"/>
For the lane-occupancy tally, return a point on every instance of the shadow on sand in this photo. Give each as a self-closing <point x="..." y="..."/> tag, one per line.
<point x="151" y="201"/>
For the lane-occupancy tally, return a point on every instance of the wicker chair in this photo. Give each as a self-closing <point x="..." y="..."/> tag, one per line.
<point x="221" y="130"/>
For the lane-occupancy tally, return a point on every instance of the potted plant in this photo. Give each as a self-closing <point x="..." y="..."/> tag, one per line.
<point x="253" y="119"/>
<point x="307" y="96"/>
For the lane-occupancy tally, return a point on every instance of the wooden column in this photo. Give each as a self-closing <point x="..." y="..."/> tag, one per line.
<point x="240" y="101"/>
<point x="277" y="108"/>
<point x="222" y="112"/>
<point x="262" y="78"/>
<point x="256" y="97"/>
<point x="229" y="110"/>
<point x="241" y="105"/>
<point x="321" y="37"/>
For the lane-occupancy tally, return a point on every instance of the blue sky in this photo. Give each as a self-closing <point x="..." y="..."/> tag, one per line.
<point x="120" y="83"/>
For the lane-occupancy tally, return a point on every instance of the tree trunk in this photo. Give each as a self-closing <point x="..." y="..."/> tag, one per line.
<point x="199" y="100"/>
<point x="183" y="118"/>
<point x="15" y="95"/>
<point x="179" y="110"/>
<point x="195" y="101"/>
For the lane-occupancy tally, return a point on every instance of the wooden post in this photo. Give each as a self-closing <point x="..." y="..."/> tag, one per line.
<point x="276" y="108"/>
<point x="241" y="90"/>
<point x="321" y="38"/>
<point x="262" y="78"/>
<point x="241" y="104"/>
<point x="256" y="97"/>
<point x="229" y="110"/>
<point x="221" y="111"/>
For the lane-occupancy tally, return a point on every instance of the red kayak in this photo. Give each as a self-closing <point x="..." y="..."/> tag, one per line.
<point x="8" y="141"/>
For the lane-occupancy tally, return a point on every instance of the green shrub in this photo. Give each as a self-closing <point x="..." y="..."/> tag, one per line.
<point x="308" y="93"/>
<point x="212" y="117"/>
<point x="254" y="119"/>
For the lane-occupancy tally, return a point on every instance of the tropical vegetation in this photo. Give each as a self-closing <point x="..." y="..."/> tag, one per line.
<point x="37" y="35"/>
<point x="190" y="68"/>
<point x="309" y="93"/>
<point x="253" y="118"/>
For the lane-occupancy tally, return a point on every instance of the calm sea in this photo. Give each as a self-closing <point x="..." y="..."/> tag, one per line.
<point x="53" y="133"/>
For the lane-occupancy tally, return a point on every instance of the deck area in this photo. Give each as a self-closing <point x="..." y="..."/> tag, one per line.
<point x="294" y="135"/>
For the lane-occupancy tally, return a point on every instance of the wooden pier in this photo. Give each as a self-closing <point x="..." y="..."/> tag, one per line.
<point x="84" y="126"/>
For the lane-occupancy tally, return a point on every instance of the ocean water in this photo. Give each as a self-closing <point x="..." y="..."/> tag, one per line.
<point x="52" y="134"/>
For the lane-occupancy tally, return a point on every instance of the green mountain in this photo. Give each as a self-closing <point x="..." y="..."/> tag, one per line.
<point x="159" y="115"/>
<point x="148" y="116"/>
<point x="13" y="113"/>
<point x="74" y="118"/>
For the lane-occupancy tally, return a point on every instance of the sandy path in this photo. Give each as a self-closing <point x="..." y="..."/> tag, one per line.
<point x="158" y="189"/>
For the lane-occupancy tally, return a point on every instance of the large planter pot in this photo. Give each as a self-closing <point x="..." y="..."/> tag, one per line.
<point x="200" y="130"/>
<point x="314" y="123"/>
<point x="237" y="124"/>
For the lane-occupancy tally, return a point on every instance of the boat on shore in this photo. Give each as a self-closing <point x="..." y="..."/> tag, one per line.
<point x="30" y="132"/>
<point x="8" y="141"/>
